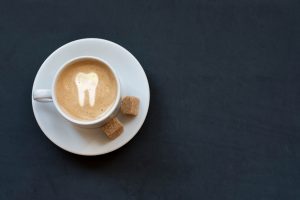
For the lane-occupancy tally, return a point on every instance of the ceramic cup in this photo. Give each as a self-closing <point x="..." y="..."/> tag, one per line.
<point x="48" y="95"/>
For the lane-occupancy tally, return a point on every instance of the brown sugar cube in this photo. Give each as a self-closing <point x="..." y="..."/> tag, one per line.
<point x="130" y="105"/>
<point x="112" y="128"/>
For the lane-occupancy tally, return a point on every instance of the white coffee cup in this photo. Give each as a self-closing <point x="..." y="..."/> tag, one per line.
<point x="48" y="95"/>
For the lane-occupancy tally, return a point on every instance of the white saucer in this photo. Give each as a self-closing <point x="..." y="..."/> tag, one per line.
<point x="91" y="141"/>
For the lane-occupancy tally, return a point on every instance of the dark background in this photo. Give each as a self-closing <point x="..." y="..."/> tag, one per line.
<point x="224" y="117"/>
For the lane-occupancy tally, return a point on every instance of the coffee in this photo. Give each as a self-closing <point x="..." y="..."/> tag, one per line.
<point x="86" y="89"/>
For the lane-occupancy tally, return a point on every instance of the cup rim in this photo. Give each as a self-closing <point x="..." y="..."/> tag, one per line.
<point x="107" y="114"/>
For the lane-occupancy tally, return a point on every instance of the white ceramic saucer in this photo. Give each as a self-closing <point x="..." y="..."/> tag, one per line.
<point x="91" y="141"/>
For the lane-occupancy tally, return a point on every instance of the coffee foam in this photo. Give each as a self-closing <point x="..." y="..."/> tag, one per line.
<point x="86" y="89"/>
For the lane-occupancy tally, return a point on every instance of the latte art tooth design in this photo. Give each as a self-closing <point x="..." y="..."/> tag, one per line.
<point x="86" y="82"/>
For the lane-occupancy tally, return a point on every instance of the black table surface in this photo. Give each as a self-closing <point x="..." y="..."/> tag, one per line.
<point x="223" y="121"/>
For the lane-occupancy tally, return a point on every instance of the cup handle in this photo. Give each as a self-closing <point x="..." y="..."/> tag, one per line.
<point x="42" y="95"/>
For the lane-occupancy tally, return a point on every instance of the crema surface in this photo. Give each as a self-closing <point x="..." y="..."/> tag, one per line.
<point x="86" y="89"/>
